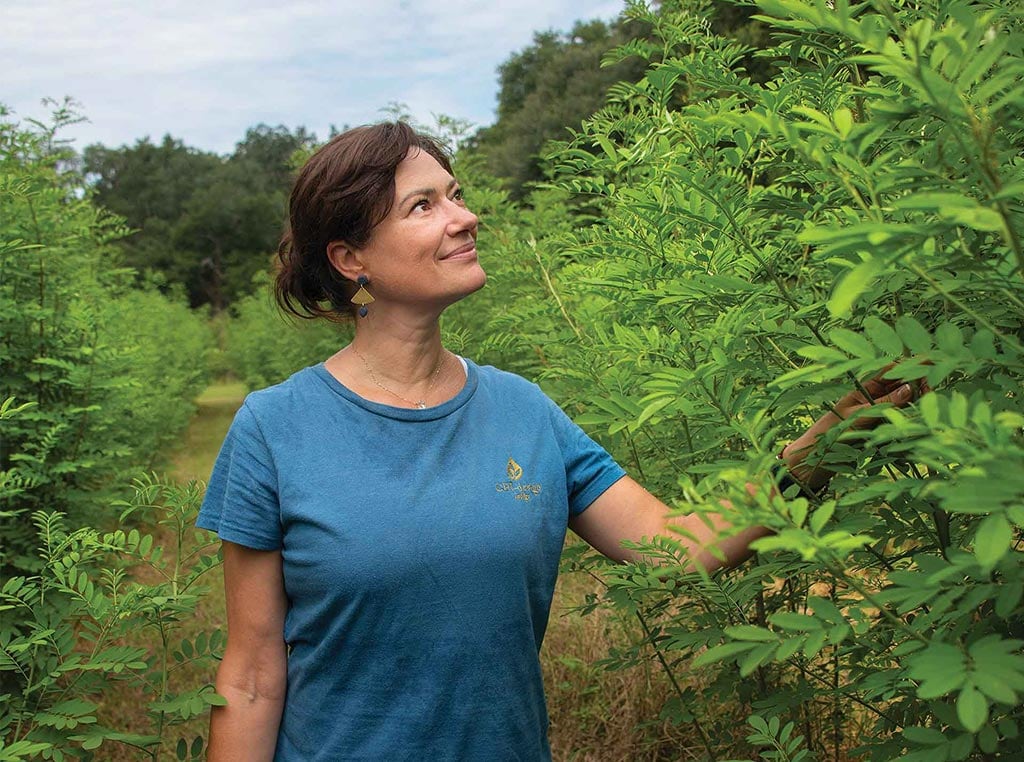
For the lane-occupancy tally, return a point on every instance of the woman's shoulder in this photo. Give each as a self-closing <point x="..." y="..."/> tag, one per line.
<point x="294" y="390"/>
<point x="509" y="384"/>
<point x="503" y="378"/>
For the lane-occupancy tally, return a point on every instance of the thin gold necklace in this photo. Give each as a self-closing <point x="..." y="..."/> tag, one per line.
<point x="421" y="403"/>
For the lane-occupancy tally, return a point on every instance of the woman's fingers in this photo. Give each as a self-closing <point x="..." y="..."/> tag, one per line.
<point x="901" y="396"/>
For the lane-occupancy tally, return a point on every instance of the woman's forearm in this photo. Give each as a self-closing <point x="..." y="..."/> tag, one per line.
<point x="245" y="730"/>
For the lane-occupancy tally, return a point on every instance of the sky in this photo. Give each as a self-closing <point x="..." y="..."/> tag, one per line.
<point x="206" y="70"/>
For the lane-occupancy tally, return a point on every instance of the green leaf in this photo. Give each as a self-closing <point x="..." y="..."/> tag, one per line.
<point x="814" y="643"/>
<point x="996" y="688"/>
<point x="972" y="709"/>
<point x="853" y="284"/>
<point x="883" y="337"/>
<point x="940" y="669"/>
<point x="1009" y="598"/>
<point x="721" y="652"/>
<point x="214" y="699"/>
<point x="852" y="343"/>
<point x="787" y="620"/>
<point x="758" y="656"/>
<point x="949" y="338"/>
<point x="924" y="736"/>
<point x="606" y="146"/>
<point x="751" y="633"/>
<point x="843" y="119"/>
<point x="821" y="516"/>
<point x="993" y="540"/>
<point x="913" y="335"/>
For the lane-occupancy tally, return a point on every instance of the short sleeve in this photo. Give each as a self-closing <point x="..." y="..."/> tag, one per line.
<point x="589" y="469"/>
<point x="241" y="503"/>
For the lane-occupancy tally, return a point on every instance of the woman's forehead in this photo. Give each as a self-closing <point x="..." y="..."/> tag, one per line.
<point x="417" y="168"/>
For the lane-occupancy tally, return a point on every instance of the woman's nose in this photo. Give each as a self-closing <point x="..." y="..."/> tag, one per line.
<point x="462" y="218"/>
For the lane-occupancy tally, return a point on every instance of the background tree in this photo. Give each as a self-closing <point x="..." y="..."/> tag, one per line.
<point x="200" y="220"/>
<point x="549" y="86"/>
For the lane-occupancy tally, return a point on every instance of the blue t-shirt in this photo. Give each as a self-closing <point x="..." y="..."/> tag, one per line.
<point x="420" y="551"/>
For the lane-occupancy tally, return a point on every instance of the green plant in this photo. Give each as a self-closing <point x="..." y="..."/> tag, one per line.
<point x="69" y="634"/>
<point x="264" y="346"/>
<point x="755" y="252"/>
<point x="90" y="352"/>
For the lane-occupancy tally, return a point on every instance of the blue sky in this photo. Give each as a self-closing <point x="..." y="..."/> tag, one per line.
<point x="205" y="71"/>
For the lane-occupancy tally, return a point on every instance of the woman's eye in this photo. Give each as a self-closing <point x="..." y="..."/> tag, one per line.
<point x="421" y="204"/>
<point x="458" y="195"/>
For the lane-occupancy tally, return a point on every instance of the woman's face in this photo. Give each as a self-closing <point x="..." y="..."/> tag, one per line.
<point x="423" y="254"/>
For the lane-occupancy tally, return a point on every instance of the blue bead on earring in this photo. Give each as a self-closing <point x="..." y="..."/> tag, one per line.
<point x="362" y="296"/>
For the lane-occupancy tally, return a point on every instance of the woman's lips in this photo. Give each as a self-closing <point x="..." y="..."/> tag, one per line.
<point x="463" y="252"/>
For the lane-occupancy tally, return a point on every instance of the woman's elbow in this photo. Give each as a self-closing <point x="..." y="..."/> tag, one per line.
<point x="254" y="676"/>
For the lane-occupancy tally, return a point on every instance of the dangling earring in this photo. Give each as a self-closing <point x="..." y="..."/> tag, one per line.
<point x="362" y="297"/>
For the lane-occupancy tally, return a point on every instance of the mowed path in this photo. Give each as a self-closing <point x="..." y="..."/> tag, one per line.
<point x="216" y="408"/>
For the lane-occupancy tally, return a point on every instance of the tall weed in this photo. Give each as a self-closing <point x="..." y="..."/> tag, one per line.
<point x="70" y="634"/>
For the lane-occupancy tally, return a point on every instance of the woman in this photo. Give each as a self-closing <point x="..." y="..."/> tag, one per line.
<point x="392" y="518"/>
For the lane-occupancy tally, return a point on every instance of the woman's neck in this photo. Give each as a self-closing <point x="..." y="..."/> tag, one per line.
<point x="406" y="352"/>
<point x="398" y="363"/>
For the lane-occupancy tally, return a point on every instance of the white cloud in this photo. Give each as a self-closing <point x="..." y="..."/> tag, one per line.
<point x="206" y="71"/>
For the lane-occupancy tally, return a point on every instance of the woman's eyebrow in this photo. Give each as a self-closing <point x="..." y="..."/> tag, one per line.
<point x="429" y="192"/>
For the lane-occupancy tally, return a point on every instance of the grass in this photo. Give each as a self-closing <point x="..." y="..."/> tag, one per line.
<point x="596" y="715"/>
<point x="599" y="715"/>
<point x="216" y="408"/>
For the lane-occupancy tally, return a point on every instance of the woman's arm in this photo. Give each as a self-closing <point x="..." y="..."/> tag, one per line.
<point x="253" y="674"/>
<point x="628" y="512"/>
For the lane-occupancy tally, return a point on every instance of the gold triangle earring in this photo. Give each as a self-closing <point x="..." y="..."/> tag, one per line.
<point x="362" y="296"/>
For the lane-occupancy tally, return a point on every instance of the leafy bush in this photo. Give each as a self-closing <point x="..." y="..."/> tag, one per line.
<point x="165" y="353"/>
<point x="69" y="635"/>
<point x="264" y="346"/>
<point x="91" y="354"/>
<point x="764" y="248"/>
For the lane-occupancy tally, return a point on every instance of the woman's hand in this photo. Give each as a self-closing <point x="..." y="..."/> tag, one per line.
<point x="893" y="391"/>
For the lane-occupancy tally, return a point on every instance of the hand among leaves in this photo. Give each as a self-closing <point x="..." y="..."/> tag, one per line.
<point x="854" y="407"/>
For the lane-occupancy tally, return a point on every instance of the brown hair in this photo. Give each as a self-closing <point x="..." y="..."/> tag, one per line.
<point x="341" y="194"/>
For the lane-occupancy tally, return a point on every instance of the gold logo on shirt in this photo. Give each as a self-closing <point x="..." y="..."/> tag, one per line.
<point x="514" y="470"/>
<point x="521" y="490"/>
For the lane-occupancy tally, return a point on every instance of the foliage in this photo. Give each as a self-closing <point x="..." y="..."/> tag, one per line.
<point x="91" y="354"/>
<point x="70" y="633"/>
<point x="764" y="247"/>
<point x="549" y="86"/>
<point x="166" y="348"/>
<point x="203" y="221"/>
<point x="264" y="346"/>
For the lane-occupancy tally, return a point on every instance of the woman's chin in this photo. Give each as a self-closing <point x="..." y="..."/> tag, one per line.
<point x="470" y="286"/>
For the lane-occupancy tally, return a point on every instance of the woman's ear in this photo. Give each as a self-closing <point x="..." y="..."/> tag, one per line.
<point x="345" y="260"/>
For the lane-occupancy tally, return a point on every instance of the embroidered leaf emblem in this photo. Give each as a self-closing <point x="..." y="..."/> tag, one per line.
<point x="515" y="471"/>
